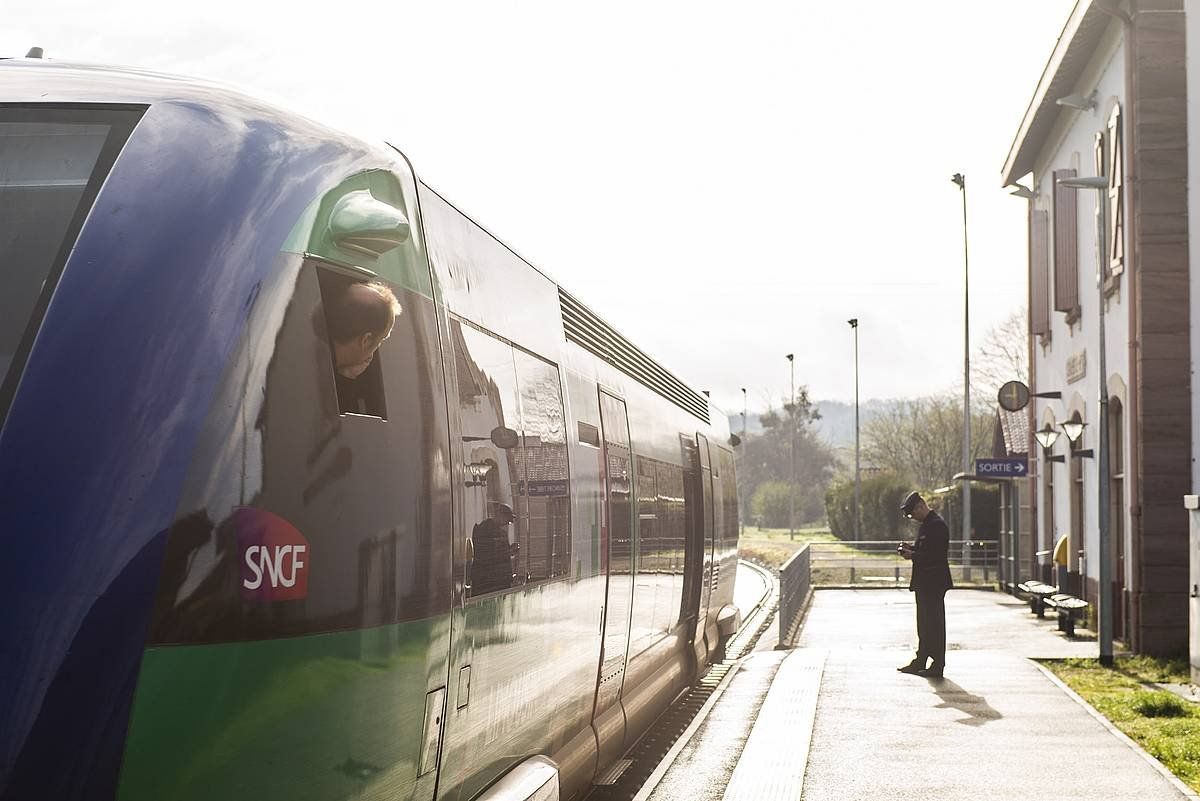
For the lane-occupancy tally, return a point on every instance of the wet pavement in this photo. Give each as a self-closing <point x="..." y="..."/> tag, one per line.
<point x="996" y="727"/>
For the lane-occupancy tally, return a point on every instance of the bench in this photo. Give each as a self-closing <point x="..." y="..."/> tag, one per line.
<point x="1069" y="608"/>
<point x="1038" y="594"/>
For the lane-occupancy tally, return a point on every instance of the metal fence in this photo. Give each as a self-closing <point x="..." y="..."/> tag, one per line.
<point x="795" y="582"/>
<point x="973" y="563"/>
<point x="876" y="564"/>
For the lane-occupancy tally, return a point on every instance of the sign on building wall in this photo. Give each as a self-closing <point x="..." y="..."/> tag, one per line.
<point x="1076" y="366"/>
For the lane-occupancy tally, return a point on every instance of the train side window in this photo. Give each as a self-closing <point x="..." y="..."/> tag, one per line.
<point x="488" y="411"/>
<point x="545" y="530"/>
<point x="358" y="317"/>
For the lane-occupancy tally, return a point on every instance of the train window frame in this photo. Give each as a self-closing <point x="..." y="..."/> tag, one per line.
<point x="521" y="510"/>
<point x="121" y="119"/>
<point x="558" y="561"/>
<point x="328" y="275"/>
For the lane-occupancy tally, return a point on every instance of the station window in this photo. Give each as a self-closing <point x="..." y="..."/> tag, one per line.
<point x="589" y="434"/>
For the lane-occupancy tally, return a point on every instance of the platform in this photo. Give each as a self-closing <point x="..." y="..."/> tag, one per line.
<point x="831" y="719"/>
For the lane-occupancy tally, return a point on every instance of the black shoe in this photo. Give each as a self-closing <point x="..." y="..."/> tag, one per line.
<point x="913" y="668"/>
<point x="932" y="672"/>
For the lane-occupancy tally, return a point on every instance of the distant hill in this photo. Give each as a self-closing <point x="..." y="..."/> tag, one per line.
<point x="836" y="425"/>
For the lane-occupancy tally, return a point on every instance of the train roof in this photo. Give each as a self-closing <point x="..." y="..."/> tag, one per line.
<point x="35" y="80"/>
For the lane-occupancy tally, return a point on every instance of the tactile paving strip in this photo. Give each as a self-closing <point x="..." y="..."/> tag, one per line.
<point x="773" y="762"/>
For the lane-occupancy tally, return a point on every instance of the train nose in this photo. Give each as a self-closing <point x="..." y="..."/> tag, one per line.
<point x="71" y="643"/>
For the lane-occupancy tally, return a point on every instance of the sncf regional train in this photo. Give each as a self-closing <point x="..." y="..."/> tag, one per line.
<point x="216" y="582"/>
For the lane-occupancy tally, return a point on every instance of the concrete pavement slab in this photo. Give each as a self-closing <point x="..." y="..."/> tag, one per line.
<point x="996" y="727"/>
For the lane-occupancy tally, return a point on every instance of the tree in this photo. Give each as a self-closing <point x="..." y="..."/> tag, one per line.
<point x="1003" y="357"/>
<point x="921" y="439"/>
<point x="767" y="458"/>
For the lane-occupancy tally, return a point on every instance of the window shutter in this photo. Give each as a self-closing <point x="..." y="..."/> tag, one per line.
<point x="1066" y="245"/>
<point x="1116" y="194"/>
<point x="1039" y="272"/>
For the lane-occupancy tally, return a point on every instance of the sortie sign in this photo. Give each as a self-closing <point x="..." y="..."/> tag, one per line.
<point x="1002" y="468"/>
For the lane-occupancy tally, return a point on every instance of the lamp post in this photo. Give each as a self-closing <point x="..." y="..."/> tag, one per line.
<point x="857" y="466"/>
<point x="960" y="180"/>
<point x="1105" y="615"/>
<point x="792" y="436"/>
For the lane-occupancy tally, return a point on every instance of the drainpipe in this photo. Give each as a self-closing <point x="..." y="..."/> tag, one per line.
<point x="1133" y="554"/>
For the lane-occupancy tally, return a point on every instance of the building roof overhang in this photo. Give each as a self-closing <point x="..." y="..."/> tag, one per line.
<point x="1076" y="46"/>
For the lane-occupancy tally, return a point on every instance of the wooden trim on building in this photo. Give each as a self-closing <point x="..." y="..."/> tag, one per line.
<point x="1039" y="272"/>
<point x="1066" y="245"/>
<point x="1156" y="138"/>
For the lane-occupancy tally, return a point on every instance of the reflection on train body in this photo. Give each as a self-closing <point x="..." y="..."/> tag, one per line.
<point x="252" y="579"/>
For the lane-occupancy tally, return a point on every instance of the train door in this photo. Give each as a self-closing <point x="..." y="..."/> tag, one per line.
<point x="617" y="557"/>
<point x="705" y="518"/>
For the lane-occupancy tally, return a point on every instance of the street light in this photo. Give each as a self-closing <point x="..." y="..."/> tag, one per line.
<point x="1100" y="182"/>
<point x="1046" y="437"/>
<point x="1073" y="429"/>
<point x="1078" y="102"/>
<point x="960" y="181"/>
<point x="853" y="322"/>
<point x="792" y="433"/>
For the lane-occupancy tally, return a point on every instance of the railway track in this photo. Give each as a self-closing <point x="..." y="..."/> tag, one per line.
<point x="640" y="767"/>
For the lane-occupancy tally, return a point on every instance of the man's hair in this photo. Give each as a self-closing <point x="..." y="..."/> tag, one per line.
<point x="355" y="312"/>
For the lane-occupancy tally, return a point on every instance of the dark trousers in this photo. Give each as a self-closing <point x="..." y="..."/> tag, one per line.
<point x="931" y="625"/>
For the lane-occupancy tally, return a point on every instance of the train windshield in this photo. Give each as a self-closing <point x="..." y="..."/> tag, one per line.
<point x="52" y="161"/>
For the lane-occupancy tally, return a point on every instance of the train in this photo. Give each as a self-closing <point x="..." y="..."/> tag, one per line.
<point x="220" y="582"/>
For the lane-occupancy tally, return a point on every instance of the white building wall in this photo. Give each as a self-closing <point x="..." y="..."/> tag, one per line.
<point x="1073" y="146"/>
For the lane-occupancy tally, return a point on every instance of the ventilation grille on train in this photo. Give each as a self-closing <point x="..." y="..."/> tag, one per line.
<point x="584" y="328"/>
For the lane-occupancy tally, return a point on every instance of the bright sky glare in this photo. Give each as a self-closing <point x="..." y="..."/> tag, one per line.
<point x="724" y="184"/>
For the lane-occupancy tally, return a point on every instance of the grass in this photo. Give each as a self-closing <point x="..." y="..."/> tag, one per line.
<point x="1159" y="721"/>
<point x="803" y="535"/>
<point x="774" y="546"/>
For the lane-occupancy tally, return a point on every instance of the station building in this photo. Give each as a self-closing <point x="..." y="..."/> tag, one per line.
<point x="1112" y="104"/>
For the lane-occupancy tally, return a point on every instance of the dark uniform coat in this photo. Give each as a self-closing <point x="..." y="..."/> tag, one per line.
<point x="931" y="570"/>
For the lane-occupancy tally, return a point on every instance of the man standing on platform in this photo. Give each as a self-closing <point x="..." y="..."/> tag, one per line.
<point x="930" y="581"/>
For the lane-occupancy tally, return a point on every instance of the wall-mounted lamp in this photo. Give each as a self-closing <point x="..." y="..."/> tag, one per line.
<point x="1078" y="102"/>
<point x="1046" y="437"/>
<point x="1093" y="182"/>
<point x="1073" y="429"/>
<point x="1022" y="191"/>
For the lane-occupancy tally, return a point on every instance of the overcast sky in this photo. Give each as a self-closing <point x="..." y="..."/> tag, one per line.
<point x="725" y="183"/>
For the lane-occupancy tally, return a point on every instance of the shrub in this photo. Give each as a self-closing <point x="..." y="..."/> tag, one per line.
<point x="771" y="507"/>
<point x="880" y="518"/>
<point x="985" y="510"/>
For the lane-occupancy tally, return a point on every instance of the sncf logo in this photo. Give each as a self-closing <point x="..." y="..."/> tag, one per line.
<point x="274" y="556"/>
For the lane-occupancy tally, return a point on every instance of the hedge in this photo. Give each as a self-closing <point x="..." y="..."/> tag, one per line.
<point x="881" y="518"/>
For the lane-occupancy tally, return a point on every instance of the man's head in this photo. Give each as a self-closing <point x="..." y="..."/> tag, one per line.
<point x="914" y="506"/>
<point x="503" y="514"/>
<point x="359" y="321"/>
